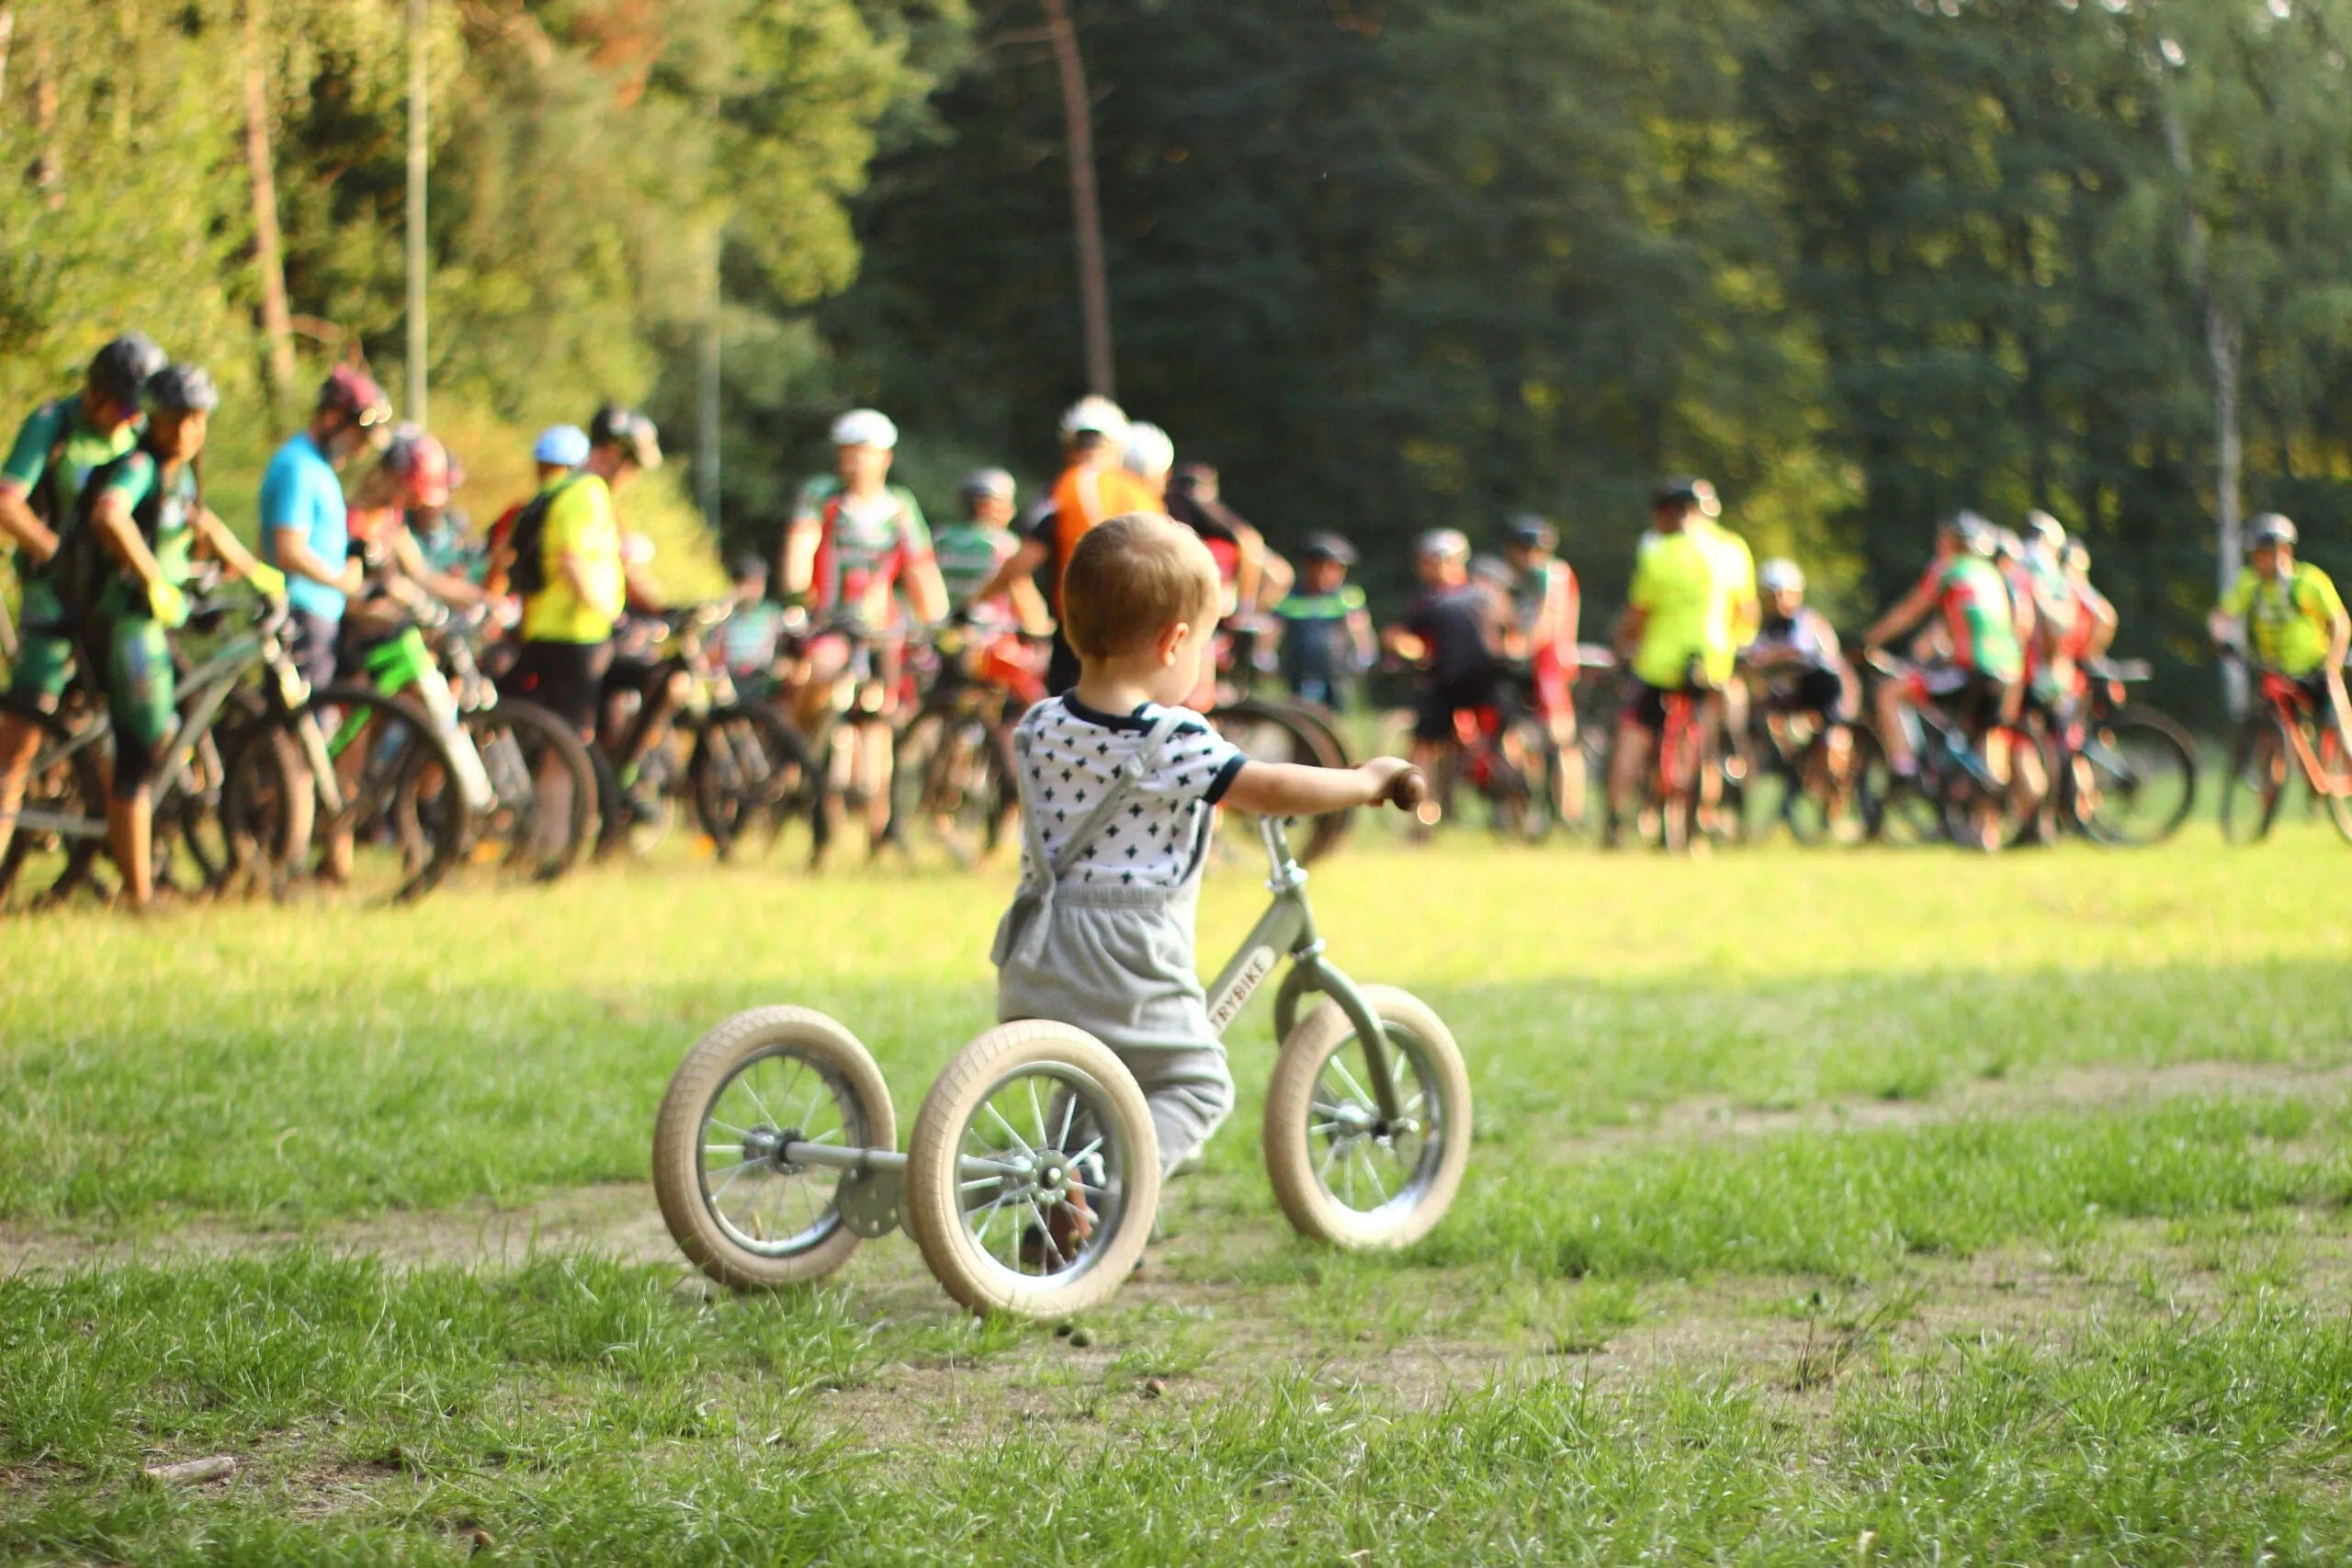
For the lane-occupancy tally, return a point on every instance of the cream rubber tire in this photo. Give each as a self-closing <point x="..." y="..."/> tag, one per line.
<point x="825" y="1085"/>
<point x="1336" y="1176"/>
<point x="1013" y="1095"/>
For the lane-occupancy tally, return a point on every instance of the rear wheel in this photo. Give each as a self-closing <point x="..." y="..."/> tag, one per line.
<point x="750" y="771"/>
<point x="534" y="831"/>
<point x="952" y="782"/>
<point x="404" y="822"/>
<point x="2133" y="778"/>
<point x="1824" y="798"/>
<point x="744" y="1213"/>
<point x="2255" y="780"/>
<point x="1271" y="731"/>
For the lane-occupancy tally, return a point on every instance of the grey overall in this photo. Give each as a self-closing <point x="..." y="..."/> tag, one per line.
<point x="1118" y="963"/>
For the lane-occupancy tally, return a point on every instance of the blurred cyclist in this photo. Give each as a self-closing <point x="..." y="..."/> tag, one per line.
<point x="1546" y="608"/>
<point x="854" y="541"/>
<point x="1326" y="629"/>
<point x="2293" y="615"/>
<point x="305" y="523"/>
<point x="1094" y="486"/>
<point x="970" y="551"/>
<point x="1453" y="632"/>
<point x="1675" y="620"/>
<point x="1805" y="677"/>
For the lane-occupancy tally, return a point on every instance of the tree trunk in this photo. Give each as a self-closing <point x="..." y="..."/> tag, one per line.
<point x="269" y="245"/>
<point x="417" y="89"/>
<point x="1086" y="213"/>
<point x="48" y="171"/>
<point x="2222" y="341"/>
<point x="7" y="39"/>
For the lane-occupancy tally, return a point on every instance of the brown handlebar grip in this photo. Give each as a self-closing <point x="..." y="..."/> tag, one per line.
<point x="1408" y="789"/>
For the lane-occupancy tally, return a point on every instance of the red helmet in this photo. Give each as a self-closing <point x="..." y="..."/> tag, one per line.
<point x="351" y="390"/>
<point x="422" y="465"/>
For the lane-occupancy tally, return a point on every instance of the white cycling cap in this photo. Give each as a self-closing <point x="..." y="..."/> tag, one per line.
<point x="865" y="427"/>
<point x="1150" y="452"/>
<point x="1094" y="415"/>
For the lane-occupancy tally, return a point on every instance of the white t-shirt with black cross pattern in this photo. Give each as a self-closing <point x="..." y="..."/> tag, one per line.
<point x="1070" y="754"/>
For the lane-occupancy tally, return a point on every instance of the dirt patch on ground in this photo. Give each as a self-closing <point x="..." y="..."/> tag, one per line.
<point x="621" y="1220"/>
<point x="2071" y="1089"/>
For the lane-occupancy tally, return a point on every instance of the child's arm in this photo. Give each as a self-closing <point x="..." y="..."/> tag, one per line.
<point x="1289" y="789"/>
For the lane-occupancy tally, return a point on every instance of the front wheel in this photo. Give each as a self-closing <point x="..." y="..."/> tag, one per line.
<point x="749" y="769"/>
<point x="1273" y="731"/>
<point x="1342" y="1172"/>
<point x="2133" y="778"/>
<point x="744" y="1213"/>
<point x="543" y="814"/>
<point x="1033" y="1172"/>
<point x="2255" y="780"/>
<point x="402" y="799"/>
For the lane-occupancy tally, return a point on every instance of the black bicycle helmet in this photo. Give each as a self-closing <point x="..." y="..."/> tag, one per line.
<point x="119" y="371"/>
<point x="182" y="388"/>
<point x="1530" y="532"/>
<point x="629" y="430"/>
<point x="1327" y="547"/>
<point x="989" y="484"/>
<point x="2269" y="529"/>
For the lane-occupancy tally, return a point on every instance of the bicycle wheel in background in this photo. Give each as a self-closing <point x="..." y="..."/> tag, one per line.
<point x="750" y="771"/>
<point x="2133" y="779"/>
<point x="404" y="822"/>
<point x="60" y="824"/>
<point x="1896" y="810"/>
<point x="2335" y="778"/>
<point x="2256" y="780"/>
<point x="244" y="815"/>
<point x="1269" y="731"/>
<point x="952" y="781"/>
<point x="1816" y="808"/>
<point x="533" y="830"/>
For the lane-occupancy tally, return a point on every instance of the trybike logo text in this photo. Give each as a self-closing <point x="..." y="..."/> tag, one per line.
<point x="1254" y="970"/>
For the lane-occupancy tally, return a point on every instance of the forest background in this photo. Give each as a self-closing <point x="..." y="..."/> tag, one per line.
<point x="1389" y="263"/>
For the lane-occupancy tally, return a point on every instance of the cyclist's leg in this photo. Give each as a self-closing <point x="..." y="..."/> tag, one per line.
<point x="1895" y="700"/>
<point x="1434" y="750"/>
<point x="1640" y="721"/>
<point x="141" y="707"/>
<point x="44" y="664"/>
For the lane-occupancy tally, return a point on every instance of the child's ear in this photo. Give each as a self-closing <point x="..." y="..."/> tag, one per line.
<point x="1171" y="641"/>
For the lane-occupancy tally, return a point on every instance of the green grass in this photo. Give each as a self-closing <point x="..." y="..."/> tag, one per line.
<point x="1820" y="1211"/>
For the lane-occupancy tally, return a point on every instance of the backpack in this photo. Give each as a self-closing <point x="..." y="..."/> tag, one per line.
<point x="82" y="567"/>
<point x="527" y="577"/>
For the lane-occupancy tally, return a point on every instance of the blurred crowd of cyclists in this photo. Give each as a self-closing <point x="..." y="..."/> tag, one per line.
<point x="869" y="667"/>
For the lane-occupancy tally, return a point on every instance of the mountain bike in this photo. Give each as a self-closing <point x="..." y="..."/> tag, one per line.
<point x="1955" y="794"/>
<point x="253" y="780"/>
<point x="1803" y="779"/>
<point x="2286" y="734"/>
<point x="952" y="778"/>
<point x="2121" y="773"/>
<point x="776" y="1150"/>
<point x="738" y="766"/>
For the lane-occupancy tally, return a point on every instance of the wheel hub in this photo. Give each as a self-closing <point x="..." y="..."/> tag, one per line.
<point x="765" y="1145"/>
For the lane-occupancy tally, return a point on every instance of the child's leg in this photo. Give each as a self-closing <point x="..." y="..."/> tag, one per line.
<point x="1190" y="1092"/>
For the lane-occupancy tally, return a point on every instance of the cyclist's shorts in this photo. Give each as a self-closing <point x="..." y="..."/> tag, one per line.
<point x="141" y="689"/>
<point x="312" y="645"/>
<point x="565" y="678"/>
<point x="1434" y="709"/>
<point x="1820" y="692"/>
<point x="2315" y="689"/>
<point x="45" y="651"/>
<point x="1645" y="705"/>
<point x="1973" y="699"/>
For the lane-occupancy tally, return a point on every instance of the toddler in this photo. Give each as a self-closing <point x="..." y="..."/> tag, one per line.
<point x="1119" y="788"/>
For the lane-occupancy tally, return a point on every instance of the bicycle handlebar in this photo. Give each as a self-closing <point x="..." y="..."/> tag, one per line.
<point x="1408" y="791"/>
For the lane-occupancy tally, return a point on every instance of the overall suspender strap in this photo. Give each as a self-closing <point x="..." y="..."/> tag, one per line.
<point x="1022" y="933"/>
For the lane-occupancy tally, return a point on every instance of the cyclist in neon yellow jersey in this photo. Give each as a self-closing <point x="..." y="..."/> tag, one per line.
<point x="2295" y="618"/>
<point x="1674" y="622"/>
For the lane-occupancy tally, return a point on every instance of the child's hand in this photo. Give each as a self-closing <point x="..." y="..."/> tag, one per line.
<point x="1393" y="780"/>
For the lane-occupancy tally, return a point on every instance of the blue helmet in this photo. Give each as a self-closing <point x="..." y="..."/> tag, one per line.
<point x="565" y="446"/>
